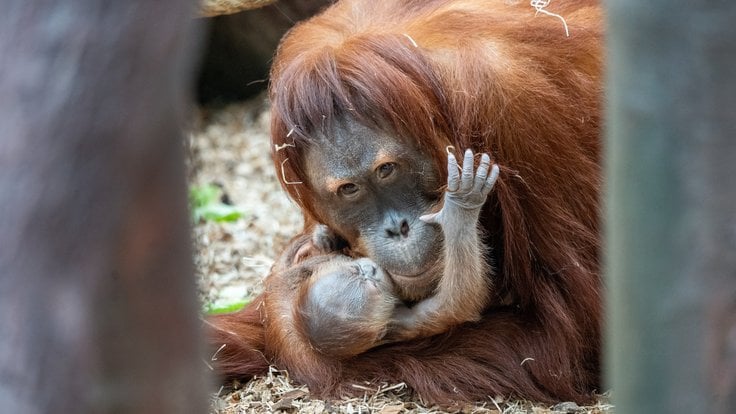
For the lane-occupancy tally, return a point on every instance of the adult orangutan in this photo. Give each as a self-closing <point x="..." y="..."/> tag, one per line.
<point x="365" y="99"/>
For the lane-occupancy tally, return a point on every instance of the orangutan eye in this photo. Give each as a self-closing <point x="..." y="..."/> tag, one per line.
<point x="384" y="170"/>
<point x="347" y="189"/>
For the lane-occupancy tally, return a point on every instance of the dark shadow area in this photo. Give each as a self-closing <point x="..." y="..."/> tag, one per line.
<point x="239" y="48"/>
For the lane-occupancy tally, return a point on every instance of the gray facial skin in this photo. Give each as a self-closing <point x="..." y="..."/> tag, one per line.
<point x="372" y="188"/>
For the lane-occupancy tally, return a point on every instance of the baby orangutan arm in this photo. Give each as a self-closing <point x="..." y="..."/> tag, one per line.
<point x="463" y="291"/>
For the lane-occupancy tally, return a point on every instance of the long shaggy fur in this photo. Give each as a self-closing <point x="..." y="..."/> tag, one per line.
<point x="237" y="342"/>
<point x="493" y="77"/>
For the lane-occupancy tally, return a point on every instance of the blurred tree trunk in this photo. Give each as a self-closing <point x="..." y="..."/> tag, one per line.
<point x="672" y="206"/>
<point x="97" y="297"/>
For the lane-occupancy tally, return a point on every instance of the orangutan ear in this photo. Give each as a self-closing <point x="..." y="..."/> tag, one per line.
<point x="322" y="240"/>
<point x="298" y="249"/>
<point x="304" y="252"/>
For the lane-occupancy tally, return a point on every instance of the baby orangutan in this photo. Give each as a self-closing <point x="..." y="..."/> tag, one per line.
<point x="345" y="306"/>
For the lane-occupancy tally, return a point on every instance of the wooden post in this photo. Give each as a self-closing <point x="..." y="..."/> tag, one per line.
<point x="671" y="206"/>
<point x="97" y="301"/>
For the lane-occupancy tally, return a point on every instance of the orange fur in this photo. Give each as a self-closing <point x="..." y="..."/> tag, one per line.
<point x="237" y="342"/>
<point x="492" y="77"/>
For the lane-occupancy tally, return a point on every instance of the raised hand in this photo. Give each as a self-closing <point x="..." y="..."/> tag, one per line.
<point x="467" y="192"/>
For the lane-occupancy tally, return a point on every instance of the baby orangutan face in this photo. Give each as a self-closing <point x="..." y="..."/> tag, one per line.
<point x="346" y="306"/>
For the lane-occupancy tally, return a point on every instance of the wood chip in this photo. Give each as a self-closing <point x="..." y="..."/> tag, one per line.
<point x="295" y="394"/>
<point x="392" y="409"/>
<point x="284" y="404"/>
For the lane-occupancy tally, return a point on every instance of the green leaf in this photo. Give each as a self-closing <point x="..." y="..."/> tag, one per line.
<point x="211" y="309"/>
<point x="218" y="212"/>
<point x="202" y="195"/>
<point x="205" y="204"/>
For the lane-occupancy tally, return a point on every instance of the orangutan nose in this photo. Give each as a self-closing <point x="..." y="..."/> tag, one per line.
<point x="398" y="229"/>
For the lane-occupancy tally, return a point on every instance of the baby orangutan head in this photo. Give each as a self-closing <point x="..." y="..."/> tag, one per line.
<point x="345" y="306"/>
